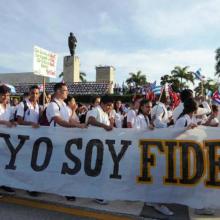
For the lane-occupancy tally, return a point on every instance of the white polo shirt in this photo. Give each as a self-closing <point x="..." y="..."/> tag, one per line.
<point x="185" y="121"/>
<point x="6" y="114"/>
<point x="160" y="115"/>
<point x="57" y="108"/>
<point x="142" y="122"/>
<point x="99" y="115"/>
<point x="31" y="114"/>
<point x="131" y="117"/>
<point x="72" y="115"/>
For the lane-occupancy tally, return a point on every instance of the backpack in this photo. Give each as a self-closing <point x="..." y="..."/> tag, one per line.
<point x="25" y="109"/>
<point x="43" y="118"/>
<point x="124" y="122"/>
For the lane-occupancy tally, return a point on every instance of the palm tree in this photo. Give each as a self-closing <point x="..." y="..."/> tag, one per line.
<point x="173" y="81"/>
<point x="209" y="85"/>
<point x="183" y="74"/>
<point x="82" y="76"/>
<point x="165" y="79"/>
<point x="217" y="66"/>
<point x="138" y="79"/>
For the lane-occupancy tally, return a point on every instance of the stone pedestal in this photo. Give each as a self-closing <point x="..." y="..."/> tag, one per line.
<point x="106" y="74"/>
<point x="71" y="66"/>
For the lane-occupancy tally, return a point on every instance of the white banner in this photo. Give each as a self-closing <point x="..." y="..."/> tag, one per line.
<point x="45" y="62"/>
<point x="166" y="165"/>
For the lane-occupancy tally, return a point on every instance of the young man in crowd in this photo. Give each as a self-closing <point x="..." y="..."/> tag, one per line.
<point x="6" y="112"/>
<point x="184" y="95"/>
<point x="159" y="113"/>
<point x="57" y="112"/>
<point x="132" y="113"/>
<point x="6" y="117"/>
<point x="28" y="110"/>
<point x="99" y="117"/>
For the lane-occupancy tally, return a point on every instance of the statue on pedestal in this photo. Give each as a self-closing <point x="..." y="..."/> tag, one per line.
<point x="72" y="43"/>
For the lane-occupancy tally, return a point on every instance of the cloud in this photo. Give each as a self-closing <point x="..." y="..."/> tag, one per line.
<point x="174" y="19"/>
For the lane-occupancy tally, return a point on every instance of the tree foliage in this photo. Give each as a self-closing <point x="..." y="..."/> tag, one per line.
<point x="137" y="79"/>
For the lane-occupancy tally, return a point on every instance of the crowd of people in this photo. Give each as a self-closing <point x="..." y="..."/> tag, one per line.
<point x="61" y="109"/>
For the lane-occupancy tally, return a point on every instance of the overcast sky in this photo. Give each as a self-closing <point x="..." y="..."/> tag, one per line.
<point x="148" y="35"/>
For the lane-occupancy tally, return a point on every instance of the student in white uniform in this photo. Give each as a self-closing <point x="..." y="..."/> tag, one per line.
<point x="213" y="118"/>
<point x="57" y="112"/>
<point x="28" y="111"/>
<point x="132" y="113"/>
<point x="95" y="102"/>
<point x="143" y="120"/>
<point x="117" y="114"/>
<point x="6" y="115"/>
<point x="99" y="115"/>
<point x="187" y="118"/>
<point x="6" y="111"/>
<point x="159" y="114"/>
<point x="184" y="95"/>
<point x="72" y="106"/>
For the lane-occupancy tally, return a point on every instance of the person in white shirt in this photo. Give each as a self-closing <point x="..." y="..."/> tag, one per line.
<point x="159" y="114"/>
<point x="28" y="111"/>
<point x="6" y="111"/>
<point x="187" y="118"/>
<point x="213" y="118"/>
<point x="6" y="117"/>
<point x="132" y="113"/>
<point x="72" y="106"/>
<point x="143" y="120"/>
<point x="57" y="112"/>
<point x="94" y="103"/>
<point x="117" y="114"/>
<point x="99" y="115"/>
<point x="184" y="95"/>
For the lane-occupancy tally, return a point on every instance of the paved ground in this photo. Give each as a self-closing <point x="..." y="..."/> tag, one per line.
<point x="48" y="206"/>
<point x="17" y="212"/>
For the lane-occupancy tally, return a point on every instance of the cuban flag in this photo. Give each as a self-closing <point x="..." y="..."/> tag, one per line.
<point x="198" y="75"/>
<point x="11" y="87"/>
<point x="216" y="97"/>
<point x="157" y="90"/>
<point x="153" y="85"/>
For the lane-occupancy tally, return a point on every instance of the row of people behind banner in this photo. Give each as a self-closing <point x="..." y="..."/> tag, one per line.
<point x="62" y="110"/>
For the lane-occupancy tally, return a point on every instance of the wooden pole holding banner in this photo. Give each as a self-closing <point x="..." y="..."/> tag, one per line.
<point x="44" y="92"/>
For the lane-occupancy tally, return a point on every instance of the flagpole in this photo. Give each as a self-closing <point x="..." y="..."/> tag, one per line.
<point x="202" y="88"/>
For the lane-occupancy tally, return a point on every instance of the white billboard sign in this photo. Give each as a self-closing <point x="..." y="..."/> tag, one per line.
<point x="45" y="62"/>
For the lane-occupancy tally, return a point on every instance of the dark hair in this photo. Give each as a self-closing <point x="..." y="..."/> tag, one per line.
<point x="68" y="99"/>
<point x="4" y="89"/>
<point x="142" y="103"/>
<point x="106" y="99"/>
<point x="93" y="99"/>
<point x="58" y="86"/>
<point x="33" y="87"/>
<point x="186" y="94"/>
<point x="190" y="105"/>
<point x="120" y="109"/>
<point x="214" y="108"/>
